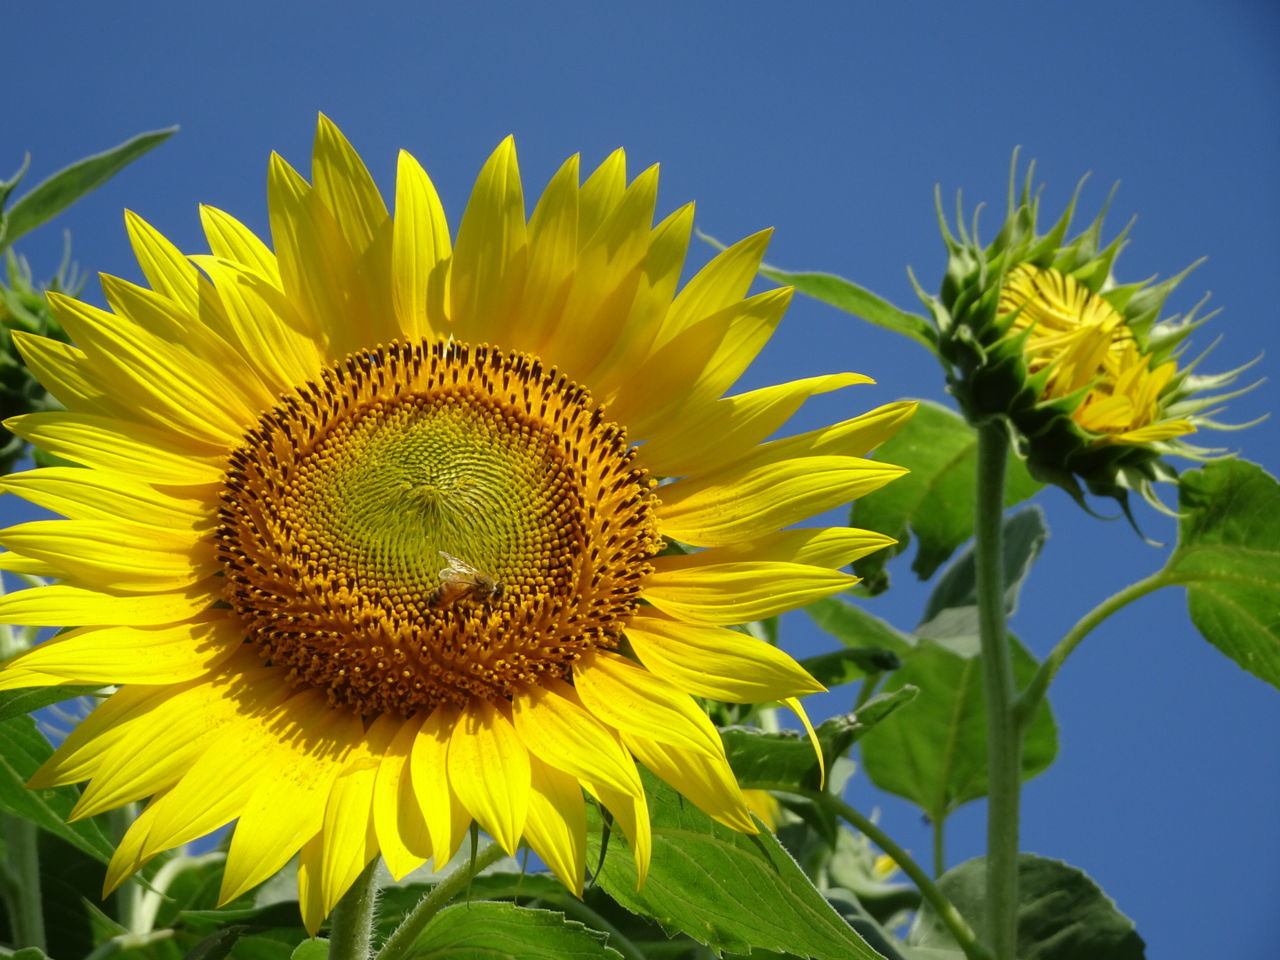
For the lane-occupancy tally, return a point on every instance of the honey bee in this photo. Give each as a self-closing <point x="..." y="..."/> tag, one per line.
<point x="460" y="579"/>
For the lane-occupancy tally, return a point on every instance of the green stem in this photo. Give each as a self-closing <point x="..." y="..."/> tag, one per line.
<point x="351" y="925"/>
<point x="27" y="917"/>
<point x="947" y="913"/>
<point x="1039" y="685"/>
<point x="401" y="941"/>
<point x="939" y="847"/>
<point x="1004" y="736"/>
<point x="869" y="684"/>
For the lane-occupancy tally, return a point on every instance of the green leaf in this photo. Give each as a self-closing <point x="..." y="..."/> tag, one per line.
<point x="1228" y="556"/>
<point x="934" y="502"/>
<point x="17" y="703"/>
<point x="1062" y="914"/>
<point x="857" y="629"/>
<point x="848" y="296"/>
<point x="68" y="185"/>
<point x="844" y="666"/>
<point x="316" y="949"/>
<point x="29" y="953"/>
<point x="1023" y="534"/>
<point x="256" y="947"/>
<point x="788" y="757"/>
<point x="483" y="930"/>
<point x="728" y="890"/>
<point x="22" y="749"/>
<point x="935" y="752"/>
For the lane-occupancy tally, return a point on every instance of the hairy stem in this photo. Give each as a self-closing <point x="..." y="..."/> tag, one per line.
<point x="1039" y="685"/>
<point x="23" y="856"/>
<point x="1004" y="735"/>
<point x="946" y="912"/>
<point x="351" y="930"/>
<point x="939" y="847"/>
<point x="401" y="941"/>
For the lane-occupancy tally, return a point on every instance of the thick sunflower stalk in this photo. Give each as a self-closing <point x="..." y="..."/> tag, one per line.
<point x="1035" y="331"/>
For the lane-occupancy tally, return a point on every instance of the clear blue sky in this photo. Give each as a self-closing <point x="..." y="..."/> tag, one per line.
<point x="832" y="122"/>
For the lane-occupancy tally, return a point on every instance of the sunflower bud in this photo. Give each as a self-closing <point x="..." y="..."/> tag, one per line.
<point x="1035" y="329"/>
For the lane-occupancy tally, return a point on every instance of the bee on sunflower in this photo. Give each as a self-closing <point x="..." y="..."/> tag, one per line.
<point x="281" y="450"/>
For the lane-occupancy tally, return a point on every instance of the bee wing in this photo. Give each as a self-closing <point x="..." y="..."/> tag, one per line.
<point x="456" y="566"/>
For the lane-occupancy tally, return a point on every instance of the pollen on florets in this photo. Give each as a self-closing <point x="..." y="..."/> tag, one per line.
<point x="357" y="512"/>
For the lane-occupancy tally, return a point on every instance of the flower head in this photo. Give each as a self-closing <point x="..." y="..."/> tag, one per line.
<point x="375" y="531"/>
<point x="1036" y="330"/>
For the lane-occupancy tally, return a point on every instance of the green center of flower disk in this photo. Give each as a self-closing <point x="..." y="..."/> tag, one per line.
<point x="431" y="523"/>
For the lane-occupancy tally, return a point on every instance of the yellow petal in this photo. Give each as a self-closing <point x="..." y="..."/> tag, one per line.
<point x="632" y="814"/>
<point x="350" y="841"/>
<point x="557" y="824"/>
<point x="397" y="816"/>
<point x="128" y="858"/>
<point x="855" y="437"/>
<point x="130" y="449"/>
<point x="115" y="655"/>
<point x="103" y="495"/>
<point x="166" y="269"/>
<point x="741" y="592"/>
<point x="815" y="546"/>
<point x="65" y="372"/>
<point x="553" y="256"/>
<point x="446" y="818"/>
<point x="287" y="807"/>
<point x="738" y="503"/>
<point x="700" y="363"/>
<point x="799" y="711"/>
<point x="420" y="251"/>
<point x="634" y="701"/>
<point x="705" y="780"/>
<point x="710" y="435"/>
<point x="488" y="263"/>
<point x="343" y="182"/>
<point x="715" y="662"/>
<point x="231" y="240"/>
<point x="489" y="772"/>
<point x="317" y="265"/>
<point x="310" y="896"/>
<point x="604" y="285"/>
<point x="555" y="727"/>
<point x="64" y="605"/>
<point x="601" y="193"/>
<point x="173" y="385"/>
<point x="17" y="563"/>
<point x="115" y="556"/>
<point x="723" y="281"/>
<point x="271" y="344"/>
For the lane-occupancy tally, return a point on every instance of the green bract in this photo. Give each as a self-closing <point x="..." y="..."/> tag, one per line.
<point x="994" y="374"/>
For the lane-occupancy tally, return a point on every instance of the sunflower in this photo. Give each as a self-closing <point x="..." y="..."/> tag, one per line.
<point x="385" y="532"/>
<point x="1035" y="330"/>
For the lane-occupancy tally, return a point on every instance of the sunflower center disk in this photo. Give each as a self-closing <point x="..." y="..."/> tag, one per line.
<point x="433" y="523"/>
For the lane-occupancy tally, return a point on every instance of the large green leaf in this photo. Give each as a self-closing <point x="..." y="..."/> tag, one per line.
<point x="22" y="749"/>
<point x="502" y="931"/>
<point x="1062" y="915"/>
<point x="788" y="756"/>
<point x="871" y="645"/>
<point x="953" y="605"/>
<point x="725" y="889"/>
<point x="935" y="752"/>
<point x="934" y="502"/>
<point x="1228" y="556"/>
<point x="861" y="302"/>
<point x="51" y="197"/>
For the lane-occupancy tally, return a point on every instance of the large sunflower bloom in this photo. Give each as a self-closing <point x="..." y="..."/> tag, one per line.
<point x="372" y="537"/>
